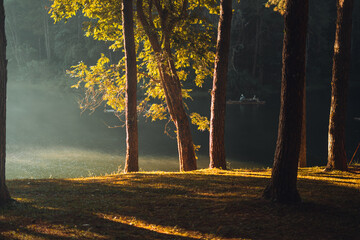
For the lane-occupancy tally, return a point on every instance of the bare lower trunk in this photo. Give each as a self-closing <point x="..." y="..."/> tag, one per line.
<point x="173" y="97"/>
<point x="340" y="75"/>
<point x="4" y="193"/>
<point x="302" y="155"/>
<point x="282" y="187"/>
<point x="218" y="93"/>
<point x="185" y="144"/>
<point x="131" y="162"/>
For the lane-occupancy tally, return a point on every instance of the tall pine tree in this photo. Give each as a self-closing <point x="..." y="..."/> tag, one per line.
<point x="282" y="187"/>
<point x="339" y="85"/>
<point x="132" y="149"/>
<point x="218" y="93"/>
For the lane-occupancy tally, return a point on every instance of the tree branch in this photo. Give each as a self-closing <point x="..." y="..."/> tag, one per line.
<point x="153" y="38"/>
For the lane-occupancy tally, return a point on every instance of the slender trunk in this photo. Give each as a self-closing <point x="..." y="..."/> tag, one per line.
<point x="46" y="35"/>
<point x="339" y="84"/>
<point x="257" y="40"/>
<point x="172" y="88"/>
<point x="218" y="93"/>
<point x="303" y="149"/>
<point x="302" y="154"/>
<point x="4" y="193"/>
<point x="282" y="187"/>
<point x="14" y="43"/>
<point x="131" y="162"/>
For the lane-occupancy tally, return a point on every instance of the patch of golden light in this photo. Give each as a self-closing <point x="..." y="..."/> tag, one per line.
<point x="336" y="47"/>
<point x="60" y="231"/>
<point x="19" y="235"/>
<point x="46" y="208"/>
<point x="173" y="230"/>
<point x="341" y="3"/>
<point x="24" y="200"/>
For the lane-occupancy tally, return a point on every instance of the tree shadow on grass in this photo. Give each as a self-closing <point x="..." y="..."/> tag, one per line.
<point x="29" y="222"/>
<point x="163" y="206"/>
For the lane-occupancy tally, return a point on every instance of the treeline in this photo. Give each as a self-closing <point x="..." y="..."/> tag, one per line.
<point x="42" y="50"/>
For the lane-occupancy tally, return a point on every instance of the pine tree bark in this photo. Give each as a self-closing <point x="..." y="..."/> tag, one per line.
<point x="282" y="187"/>
<point x="131" y="161"/>
<point x="4" y="193"/>
<point x="170" y="83"/>
<point x="218" y="93"/>
<point x="339" y="84"/>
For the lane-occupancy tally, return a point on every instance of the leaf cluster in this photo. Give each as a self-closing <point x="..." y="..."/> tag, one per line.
<point x="279" y="5"/>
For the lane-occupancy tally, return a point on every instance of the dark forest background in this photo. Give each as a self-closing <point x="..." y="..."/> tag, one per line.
<point x="39" y="50"/>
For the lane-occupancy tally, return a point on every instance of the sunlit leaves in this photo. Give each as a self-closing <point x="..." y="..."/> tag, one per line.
<point x="157" y="112"/>
<point x="101" y="82"/>
<point x="192" y="40"/>
<point x="279" y="5"/>
<point x="201" y="121"/>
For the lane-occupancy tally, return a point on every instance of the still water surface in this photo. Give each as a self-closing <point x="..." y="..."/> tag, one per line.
<point x="48" y="137"/>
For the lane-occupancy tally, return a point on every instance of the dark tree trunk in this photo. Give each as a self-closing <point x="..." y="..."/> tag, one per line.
<point x="282" y="187"/>
<point x="171" y="84"/>
<point x="131" y="162"/>
<point x="218" y="93"/>
<point x="302" y="154"/>
<point x="4" y="193"/>
<point x="339" y="84"/>
<point x="257" y="43"/>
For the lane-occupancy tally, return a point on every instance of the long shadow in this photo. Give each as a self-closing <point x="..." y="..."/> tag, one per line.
<point x="207" y="205"/>
<point x="83" y="225"/>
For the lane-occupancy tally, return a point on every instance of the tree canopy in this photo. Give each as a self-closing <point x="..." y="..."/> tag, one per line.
<point x="192" y="45"/>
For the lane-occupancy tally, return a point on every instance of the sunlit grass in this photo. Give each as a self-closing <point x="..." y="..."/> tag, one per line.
<point x="204" y="204"/>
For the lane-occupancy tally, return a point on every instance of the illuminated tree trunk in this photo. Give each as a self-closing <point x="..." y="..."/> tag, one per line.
<point x="339" y="84"/>
<point x="282" y="187"/>
<point x="218" y="93"/>
<point x="170" y="83"/>
<point x="131" y="162"/>
<point x="4" y="193"/>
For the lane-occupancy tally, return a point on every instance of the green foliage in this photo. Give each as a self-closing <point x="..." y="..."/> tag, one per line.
<point x="192" y="41"/>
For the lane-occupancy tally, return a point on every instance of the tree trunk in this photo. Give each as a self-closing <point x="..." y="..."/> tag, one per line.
<point x="4" y="193"/>
<point x="131" y="162"/>
<point x="339" y="84"/>
<point x="172" y="88"/>
<point x="302" y="154"/>
<point x="218" y="93"/>
<point x="282" y="186"/>
<point x="173" y="97"/>
<point x="46" y="35"/>
<point x="257" y="43"/>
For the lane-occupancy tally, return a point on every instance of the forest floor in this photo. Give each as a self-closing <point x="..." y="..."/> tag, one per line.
<point x="204" y="204"/>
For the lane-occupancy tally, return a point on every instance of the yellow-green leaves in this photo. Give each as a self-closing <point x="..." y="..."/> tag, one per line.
<point x="192" y="40"/>
<point x="157" y="112"/>
<point x="202" y="122"/>
<point x="279" y="5"/>
<point x="101" y="83"/>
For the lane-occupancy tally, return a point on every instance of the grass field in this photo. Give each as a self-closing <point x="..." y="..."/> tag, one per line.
<point x="204" y="204"/>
